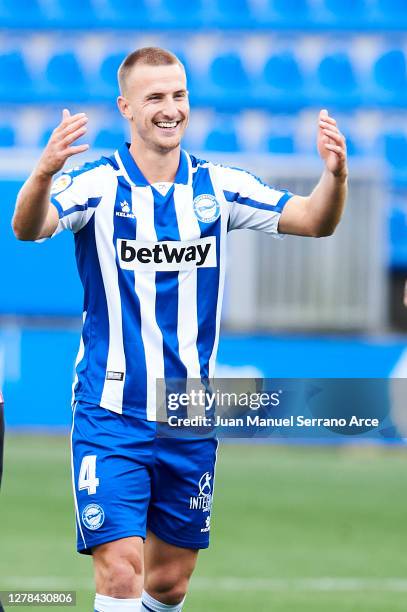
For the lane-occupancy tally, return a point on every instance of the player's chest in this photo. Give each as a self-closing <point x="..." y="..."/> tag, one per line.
<point x="177" y="212"/>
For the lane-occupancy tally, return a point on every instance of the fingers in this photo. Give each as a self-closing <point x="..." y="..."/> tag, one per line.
<point x="340" y="151"/>
<point x="324" y="116"/>
<point x="77" y="149"/>
<point x="330" y="131"/>
<point x="65" y="134"/>
<point x="71" y="128"/>
<point x="336" y="136"/>
<point x="69" y="120"/>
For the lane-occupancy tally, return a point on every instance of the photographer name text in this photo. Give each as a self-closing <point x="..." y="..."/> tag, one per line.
<point x="251" y="420"/>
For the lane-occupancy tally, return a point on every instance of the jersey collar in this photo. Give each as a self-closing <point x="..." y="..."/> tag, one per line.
<point x="135" y="175"/>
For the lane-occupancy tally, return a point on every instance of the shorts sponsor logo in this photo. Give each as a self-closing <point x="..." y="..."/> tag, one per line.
<point x="202" y="501"/>
<point x="125" y="210"/>
<point x="167" y="256"/>
<point x="207" y="524"/>
<point x="206" y="208"/>
<point x="61" y="183"/>
<point x="93" y="516"/>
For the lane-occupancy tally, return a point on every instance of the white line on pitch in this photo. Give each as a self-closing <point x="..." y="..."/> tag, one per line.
<point x="231" y="583"/>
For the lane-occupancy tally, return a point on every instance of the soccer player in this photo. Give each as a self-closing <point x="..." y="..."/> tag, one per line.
<point x="150" y="226"/>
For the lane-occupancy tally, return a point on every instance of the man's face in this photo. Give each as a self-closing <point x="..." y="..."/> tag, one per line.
<point x="156" y="104"/>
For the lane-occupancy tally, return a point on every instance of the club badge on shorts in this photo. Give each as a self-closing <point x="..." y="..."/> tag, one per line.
<point x="93" y="516"/>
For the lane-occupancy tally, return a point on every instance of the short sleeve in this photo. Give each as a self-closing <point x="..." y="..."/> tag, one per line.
<point x="76" y="194"/>
<point x="253" y="204"/>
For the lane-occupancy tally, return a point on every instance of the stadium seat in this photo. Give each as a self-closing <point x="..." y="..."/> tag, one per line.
<point x="109" y="138"/>
<point x="395" y="149"/>
<point x="7" y="136"/>
<point x="282" y="72"/>
<point x="345" y="8"/>
<point x="174" y="12"/>
<point x="128" y="13"/>
<point x="25" y="13"/>
<point x="232" y="10"/>
<point x="390" y="72"/>
<point x="398" y="225"/>
<point x="336" y="73"/>
<point x="45" y="136"/>
<point x="227" y="71"/>
<point x="280" y="145"/>
<point x="15" y="81"/>
<point x="65" y="77"/>
<point x="393" y="8"/>
<point x="77" y="13"/>
<point x="108" y="72"/>
<point x="223" y="139"/>
<point x="351" y="146"/>
<point x="288" y="8"/>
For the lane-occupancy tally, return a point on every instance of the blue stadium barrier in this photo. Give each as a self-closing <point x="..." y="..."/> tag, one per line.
<point x="48" y="281"/>
<point x="37" y="385"/>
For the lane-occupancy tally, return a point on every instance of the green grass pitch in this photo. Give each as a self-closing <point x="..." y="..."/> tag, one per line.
<point x="294" y="529"/>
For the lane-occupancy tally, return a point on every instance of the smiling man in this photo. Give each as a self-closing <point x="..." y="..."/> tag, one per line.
<point x="150" y="225"/>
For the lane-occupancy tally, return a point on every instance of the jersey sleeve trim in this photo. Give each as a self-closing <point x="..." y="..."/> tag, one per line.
<point x="232" y="196"/>
<point x="91" y="203"/>
<point x="58" y="206"/>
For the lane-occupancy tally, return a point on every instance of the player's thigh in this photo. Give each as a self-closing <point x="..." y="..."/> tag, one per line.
<point x="111" y="476"/>
<point x="182" y="490"/>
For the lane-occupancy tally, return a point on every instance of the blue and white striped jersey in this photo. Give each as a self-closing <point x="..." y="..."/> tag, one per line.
<point x="152" y="260"/>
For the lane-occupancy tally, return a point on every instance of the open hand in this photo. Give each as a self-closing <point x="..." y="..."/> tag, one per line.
<point x="59" y="146"/>
<point x="332" y="145"/>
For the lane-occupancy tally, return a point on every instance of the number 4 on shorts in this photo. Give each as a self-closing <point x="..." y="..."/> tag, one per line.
<point x="87" y="475"/>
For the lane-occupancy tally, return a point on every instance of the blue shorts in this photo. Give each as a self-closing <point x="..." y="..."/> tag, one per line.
<point x="127" y="480"/>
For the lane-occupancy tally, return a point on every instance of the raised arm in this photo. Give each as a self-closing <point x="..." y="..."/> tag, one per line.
<point x="34" y="216"/>
<point x="318" y="214"/>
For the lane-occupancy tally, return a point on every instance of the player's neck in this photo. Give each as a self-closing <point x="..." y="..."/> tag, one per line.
<point x="156" y="167"/>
